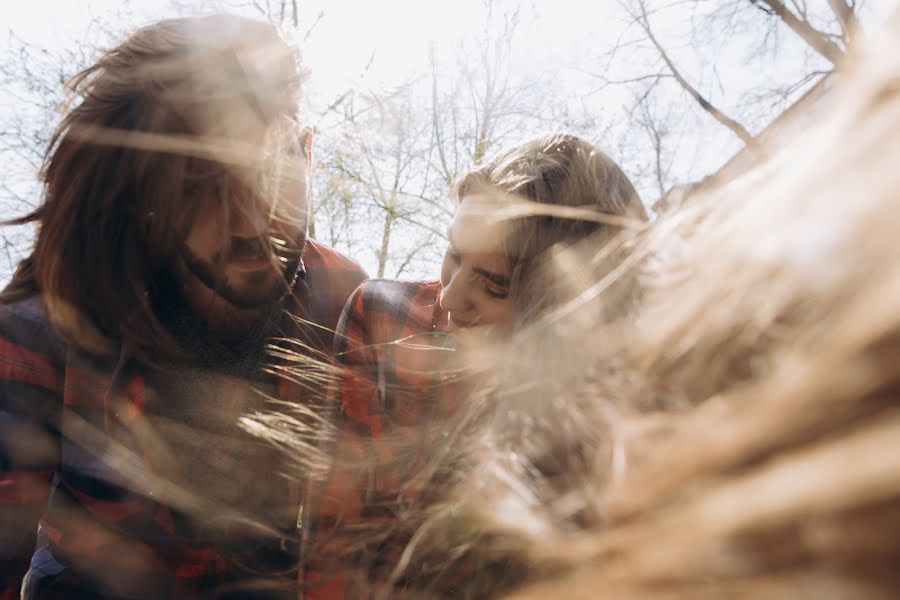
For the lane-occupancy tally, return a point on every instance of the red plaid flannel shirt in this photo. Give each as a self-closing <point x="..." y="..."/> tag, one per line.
<point x="98" y="533"/>
<point x="392" y="342"/>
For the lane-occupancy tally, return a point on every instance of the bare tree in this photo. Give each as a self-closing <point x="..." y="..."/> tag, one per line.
<point x="387" y="157"/>
<point x="657" y="131"/>
<point x="380" y="158"/>
<point x="642" y="19"/>
<point x="473" y="97"/>
<point x="397" y="152"/>
<point x="33" y="91"/>
<point x="687" y="55"/>
<point x="829" y="45"/>
<point x="479" y="103"/>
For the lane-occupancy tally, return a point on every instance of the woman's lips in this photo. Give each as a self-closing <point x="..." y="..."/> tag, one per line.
<point x="456" y="323"/>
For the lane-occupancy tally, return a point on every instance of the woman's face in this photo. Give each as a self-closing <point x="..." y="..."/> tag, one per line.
<point x="475" y="275"/>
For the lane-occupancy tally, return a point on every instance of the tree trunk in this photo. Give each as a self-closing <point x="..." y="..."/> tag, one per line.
<point x="816" y="39"/>
<point x="385" y="242"/>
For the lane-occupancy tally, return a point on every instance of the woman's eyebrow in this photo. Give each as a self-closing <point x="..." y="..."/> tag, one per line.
<point x="495" y="278"/>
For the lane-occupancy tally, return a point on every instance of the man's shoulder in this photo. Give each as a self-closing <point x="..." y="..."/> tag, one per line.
<point x="397" y="291"/>
<point x="320" y="260"/>
<point x="397" y="300"/>
<point x="31" y="308"/>
<point x="26" y="334"/>
<point x="26" y="318"/>
<point x="329" y="280"/>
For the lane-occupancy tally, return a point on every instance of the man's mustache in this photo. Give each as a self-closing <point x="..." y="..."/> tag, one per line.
<point x="241" y="248"/>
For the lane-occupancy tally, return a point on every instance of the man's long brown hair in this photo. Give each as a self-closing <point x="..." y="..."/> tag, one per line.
<point x="157" y="119"/>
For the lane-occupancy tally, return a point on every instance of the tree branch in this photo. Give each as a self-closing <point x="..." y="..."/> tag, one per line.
<point x="815" y="38"/>
<point x="845" y="16"/>
<point x="736" y="128"/>
<point x="410" y="255"/>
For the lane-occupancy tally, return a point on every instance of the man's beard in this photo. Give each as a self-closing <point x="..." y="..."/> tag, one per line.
<point x="258" y="289"/>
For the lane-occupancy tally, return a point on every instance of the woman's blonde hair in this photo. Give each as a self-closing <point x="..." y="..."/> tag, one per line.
<point x="555" y="192"/>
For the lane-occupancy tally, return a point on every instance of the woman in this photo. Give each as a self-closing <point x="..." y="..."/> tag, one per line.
<point x="557" y="195"/>
<point x="738" y="435"/>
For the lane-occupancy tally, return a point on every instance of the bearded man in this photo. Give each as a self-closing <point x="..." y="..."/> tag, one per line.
<point x="171" y="254"/>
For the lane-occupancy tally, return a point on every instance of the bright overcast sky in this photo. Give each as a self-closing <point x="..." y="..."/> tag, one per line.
<point x="398" y="32"/>
<point x="396" y="35"/>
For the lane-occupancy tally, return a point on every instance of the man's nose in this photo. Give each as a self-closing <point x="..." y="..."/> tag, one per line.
<point x="248" y="219"/>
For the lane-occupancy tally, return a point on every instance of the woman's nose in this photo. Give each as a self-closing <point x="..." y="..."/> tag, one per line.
<point x="455" y="295"/>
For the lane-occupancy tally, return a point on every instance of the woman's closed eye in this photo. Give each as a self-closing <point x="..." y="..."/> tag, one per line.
<point x="494" y="289"/>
